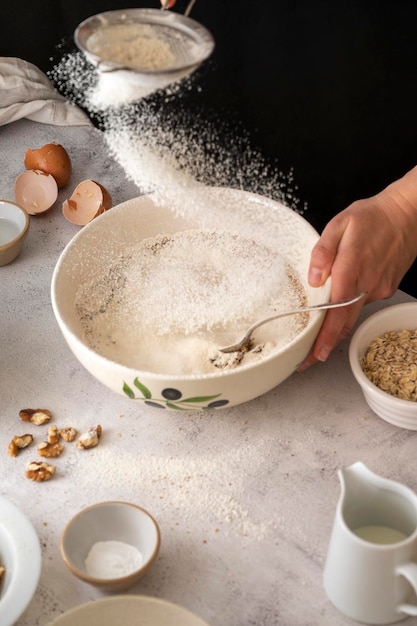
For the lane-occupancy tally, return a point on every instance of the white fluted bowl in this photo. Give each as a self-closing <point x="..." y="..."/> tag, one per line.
<point x="20" y="555"/>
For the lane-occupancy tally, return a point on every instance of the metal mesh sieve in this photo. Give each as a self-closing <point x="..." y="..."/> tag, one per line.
<point x="189" y="42"/>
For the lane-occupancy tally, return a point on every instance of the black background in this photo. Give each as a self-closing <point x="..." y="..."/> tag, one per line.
<point x="328" y="89"/>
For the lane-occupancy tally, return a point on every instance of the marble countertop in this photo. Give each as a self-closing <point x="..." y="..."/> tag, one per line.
<point x="245" y="497"/>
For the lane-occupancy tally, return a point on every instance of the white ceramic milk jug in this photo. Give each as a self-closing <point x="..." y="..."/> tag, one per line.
<point x="370" y="573"/>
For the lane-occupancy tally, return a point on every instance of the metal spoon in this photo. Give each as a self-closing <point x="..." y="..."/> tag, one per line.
<point x="304" y="309"/>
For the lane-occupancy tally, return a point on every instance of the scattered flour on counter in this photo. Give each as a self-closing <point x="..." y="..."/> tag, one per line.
<point x="207" y="485"/>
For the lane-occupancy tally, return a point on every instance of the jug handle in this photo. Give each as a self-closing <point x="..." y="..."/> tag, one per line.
<point x="409" y="571"/>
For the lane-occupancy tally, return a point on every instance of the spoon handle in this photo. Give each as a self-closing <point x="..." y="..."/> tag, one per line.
<point x="304" y="309"/>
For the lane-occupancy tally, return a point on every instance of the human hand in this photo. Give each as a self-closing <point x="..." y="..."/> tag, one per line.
<point x="367" y="247"/>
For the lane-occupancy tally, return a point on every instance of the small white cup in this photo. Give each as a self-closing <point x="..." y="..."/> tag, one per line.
<point x="14" y="226"/>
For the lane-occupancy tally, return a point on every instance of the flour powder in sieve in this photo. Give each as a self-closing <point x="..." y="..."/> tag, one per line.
<point x="135" y="45"/>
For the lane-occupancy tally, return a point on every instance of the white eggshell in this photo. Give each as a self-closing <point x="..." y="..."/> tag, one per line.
<point x="36" y="191"/>
<point x="88" y="200"/>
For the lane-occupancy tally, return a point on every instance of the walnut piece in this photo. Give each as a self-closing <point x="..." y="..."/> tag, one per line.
<point x="90" y="438"/>
<point x="49" y="450"/>
<point x="19" y="442"/>
<point x="39" y="471"/>
<point x="36" y="416"/>
<point x="2" y="572"/>
<point x="53" y="434"/>
<point x="68" y="434"/>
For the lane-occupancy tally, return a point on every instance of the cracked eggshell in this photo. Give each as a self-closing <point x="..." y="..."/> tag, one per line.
<point x="52" y="159"/>
<point x="36" y="191"/>
<point x="88" y="200"/>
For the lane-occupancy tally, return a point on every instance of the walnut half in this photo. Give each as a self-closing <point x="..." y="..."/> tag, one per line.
<point x="19" y="442"/>
<point x="36" y="416"/>
<point x="49" y="450"/>
<point x="39" y="471"/>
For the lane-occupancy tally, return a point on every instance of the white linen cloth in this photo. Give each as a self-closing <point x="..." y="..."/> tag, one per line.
<point x="25" y="91"/>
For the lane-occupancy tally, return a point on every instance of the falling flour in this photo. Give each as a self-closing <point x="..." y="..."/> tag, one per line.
<point x="162" y="145"/>
<point x="170" y="303"/>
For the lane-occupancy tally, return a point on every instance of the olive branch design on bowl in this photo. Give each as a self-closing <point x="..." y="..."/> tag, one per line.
<point x="173" y="399"/>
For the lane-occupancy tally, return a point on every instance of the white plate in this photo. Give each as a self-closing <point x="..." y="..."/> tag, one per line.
<point x="128" y="610"/>
<point x="20" y="554"/>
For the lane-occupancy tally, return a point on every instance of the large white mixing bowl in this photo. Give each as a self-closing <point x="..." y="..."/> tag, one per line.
<point x="142" y="217"/>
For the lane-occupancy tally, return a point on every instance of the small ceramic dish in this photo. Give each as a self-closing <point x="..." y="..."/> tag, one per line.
<point x="14" y="226"/>
<point x="129" y="610"/>
<point x="20" y="555"/>
<point x="110" y="545"/>
<point x="402" y="413"/>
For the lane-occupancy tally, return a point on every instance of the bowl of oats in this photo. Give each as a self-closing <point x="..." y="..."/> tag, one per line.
<point x="383" y="359"/>
<point x="146" y="297"/>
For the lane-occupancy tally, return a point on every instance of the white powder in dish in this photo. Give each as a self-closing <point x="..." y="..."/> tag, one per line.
<point x="112" y="559"/>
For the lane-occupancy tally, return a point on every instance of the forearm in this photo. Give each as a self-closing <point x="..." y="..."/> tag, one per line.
<point x="399" y="200"/>
<point x="407" y="186"/>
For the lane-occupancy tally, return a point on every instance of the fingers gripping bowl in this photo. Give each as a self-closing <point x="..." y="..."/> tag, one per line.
<point x="137" y="220"/>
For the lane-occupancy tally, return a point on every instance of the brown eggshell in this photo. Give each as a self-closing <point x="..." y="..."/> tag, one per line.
<point x="88" y="200"/>
<point x="53" y="159"/>
<point x="35" y="191"/>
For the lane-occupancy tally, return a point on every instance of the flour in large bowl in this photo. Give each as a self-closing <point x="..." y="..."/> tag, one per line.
<point x="168" y="303"/>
